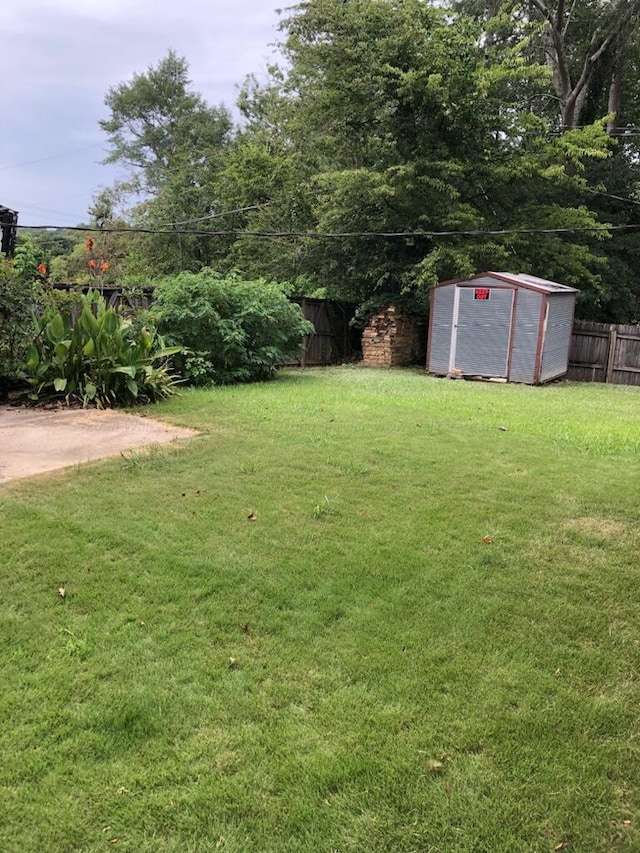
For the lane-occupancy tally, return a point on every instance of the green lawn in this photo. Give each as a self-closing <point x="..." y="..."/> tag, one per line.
<point x="353" y="670"/>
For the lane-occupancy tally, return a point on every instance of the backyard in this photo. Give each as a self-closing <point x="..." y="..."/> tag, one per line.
<point x="362" y="611"/>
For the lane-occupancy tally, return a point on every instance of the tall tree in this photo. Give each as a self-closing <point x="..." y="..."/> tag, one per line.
<point x="606" y="27"/>
<point x="173" y="143"/>
<point x="592" y="50"/>
<point x="156" y="118"/>
<point x="588" y="45"/>
<point x="394" y="117"/>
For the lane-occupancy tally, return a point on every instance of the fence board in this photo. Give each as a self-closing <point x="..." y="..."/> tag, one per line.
<point x="601" y="352"/>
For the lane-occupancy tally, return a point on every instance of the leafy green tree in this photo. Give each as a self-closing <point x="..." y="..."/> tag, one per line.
<point x="604" y="31"/>
<point x="31" y="260"/>
<point x="173" y="143"/>
<point x="592" y="51"/>
<point x="393" y="117"/>
<point x="590" y="47"/>
<point x="156" y="118"/>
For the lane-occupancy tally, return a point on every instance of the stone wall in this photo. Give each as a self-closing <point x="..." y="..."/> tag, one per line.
<point x="390" y="339"/>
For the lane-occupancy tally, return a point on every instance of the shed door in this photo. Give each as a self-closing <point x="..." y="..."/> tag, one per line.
<point x="482" y="330"/>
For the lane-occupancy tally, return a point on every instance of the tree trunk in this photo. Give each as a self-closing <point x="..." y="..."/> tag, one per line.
<point x="573" y="93"/>
<point x="614" y="104"/>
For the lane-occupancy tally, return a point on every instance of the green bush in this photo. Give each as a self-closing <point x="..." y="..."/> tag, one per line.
<point x="100" y="358"/>
<point x="19" y="301"/>
<point x="232" y="330"/>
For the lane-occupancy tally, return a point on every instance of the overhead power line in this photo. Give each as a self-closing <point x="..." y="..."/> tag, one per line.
<point x="52" y="156"/>
<point x="339" y="235"/>
<point x="616" y="197"/>
<point x="210" y="216"/>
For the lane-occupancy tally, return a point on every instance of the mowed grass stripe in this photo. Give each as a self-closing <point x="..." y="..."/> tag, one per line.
<point x="356" y="669"/>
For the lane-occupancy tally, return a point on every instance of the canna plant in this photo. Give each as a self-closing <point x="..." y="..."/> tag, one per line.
<point x="99" y="359"/>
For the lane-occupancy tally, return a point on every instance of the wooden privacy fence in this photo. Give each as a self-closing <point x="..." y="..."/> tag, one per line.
<point x="115" y="295"/>
<point x="334" y="339"/>
<point x="605" y="353"/>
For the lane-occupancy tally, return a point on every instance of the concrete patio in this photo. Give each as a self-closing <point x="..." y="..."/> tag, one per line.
<point x="33" y="441"/>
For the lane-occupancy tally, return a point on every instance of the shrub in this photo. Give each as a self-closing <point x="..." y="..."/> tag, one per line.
<point x="98" y="358"/>
<point x="232" y="330"/>
<point x="19" y="300"/>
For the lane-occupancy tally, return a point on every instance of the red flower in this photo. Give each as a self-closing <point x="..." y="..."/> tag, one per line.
<point x="42" y="269"/>
<point x="88" y="243"/>
<point x="92" y="263"/>
<point x="104" y="266"/>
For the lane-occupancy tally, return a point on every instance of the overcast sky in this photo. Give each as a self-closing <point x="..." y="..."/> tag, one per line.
<point x="61" y="56"/>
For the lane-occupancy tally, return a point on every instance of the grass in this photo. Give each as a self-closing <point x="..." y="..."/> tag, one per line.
<point x="289" y="635"/>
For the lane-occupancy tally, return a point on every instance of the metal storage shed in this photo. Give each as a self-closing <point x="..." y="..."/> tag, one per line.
<point x="499" y="324"/>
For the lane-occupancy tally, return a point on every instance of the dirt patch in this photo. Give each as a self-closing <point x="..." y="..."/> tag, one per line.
<point x="606" y="528"/>
<point x="33" y="441"/>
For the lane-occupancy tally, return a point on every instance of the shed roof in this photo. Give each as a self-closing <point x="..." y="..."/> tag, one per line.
<point x="531" y="282"/>
<point x="534" y="282"/>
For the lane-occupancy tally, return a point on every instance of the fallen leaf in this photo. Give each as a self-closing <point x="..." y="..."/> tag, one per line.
<point x="252" y="516"/>
<point x="113" y="841"/>
<point x="487" y="540"/>
<point x="62" y="592"/>
<point x="435" y="766"/>
<point x="233" y="663"/>
<point x="246" y="628"/>
<point x="503" y="429"/>
<point x="626" y="823"/>
<point x="562" y="846"/>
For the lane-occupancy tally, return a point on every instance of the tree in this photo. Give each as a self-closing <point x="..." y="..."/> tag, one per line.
<point x="393" y="117"/>
<point x="173" y="143"/>
<point x="606" y="27"/>
<point x="156" y="119"/>
<point x="591" y="48"/>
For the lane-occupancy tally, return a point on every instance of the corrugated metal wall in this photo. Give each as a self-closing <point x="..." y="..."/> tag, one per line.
<point x="525" y="341"/>
<point x="441" y="323"/>
<point x="484" y="332"/>
<point x="482" y="346"/>
<point x="555" y="358"/>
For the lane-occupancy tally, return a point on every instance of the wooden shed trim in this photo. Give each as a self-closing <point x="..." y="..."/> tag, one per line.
<point x="512" y="331"/>
<point x="537" y="371"/>
<point x="508" y="280"/>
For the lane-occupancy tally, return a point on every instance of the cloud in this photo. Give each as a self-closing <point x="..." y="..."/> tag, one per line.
<point x="66" y="54"/>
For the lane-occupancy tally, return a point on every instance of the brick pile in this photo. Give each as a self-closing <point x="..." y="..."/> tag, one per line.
<point x="390" y="339"/>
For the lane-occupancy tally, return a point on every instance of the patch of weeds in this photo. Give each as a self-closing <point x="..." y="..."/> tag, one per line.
<point x="153" y="456"/>
<point x="351" y="468"/>
<point x="323" y="509"/>
<point x="74" y="646"/>
<point x="317" y="440"/>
